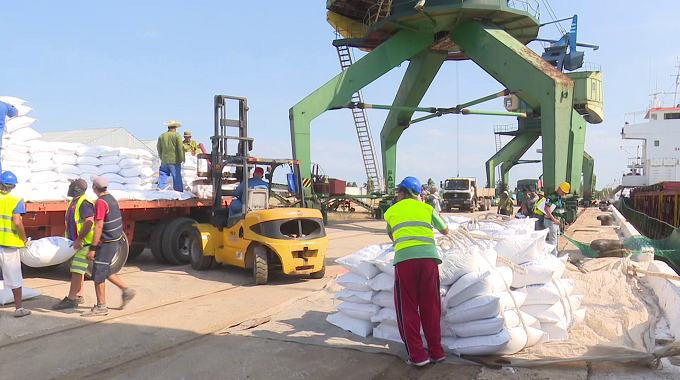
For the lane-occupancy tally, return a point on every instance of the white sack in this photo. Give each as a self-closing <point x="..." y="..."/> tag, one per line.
<point x="357" y="326"/>
<point x="487" y="326"/>
<point x="66" y="148"/>
<point x="12" y="155"/>
<point x="129" y="172"/>
<point x="12" y="100"/>
<point x="383" y="281"/>
<point x="86" y="150"/>
<point x="133" y="181"/>
<point x="129" y="163"/>
<point x="358" y="310"/>
<point x="357" y="261"/>
<point x="39" y="177"/>
<point x="384" y="298"/>
<point x="549" y="293"/>
<point x="145" y="154"/>
<point x="7" y="297"/>
<point x="385" y="315"/>
<point x="43" y="165"/>
<point x="110" y="160"/>
<point x="71" y="169"/>
<point x="512" y="319"/>
<point x="127" y="153"/>
<point x="16" y="123"/>
<point x="354" y="296"/>
<point x="385" y="260"/>
<point x="90" y="170"/>
<point x="553" y="313"/>
<point x="23" y="109"/>
<point x="387" y="332"/>
<point x="89" y="160"/>
<point x="478" y="345"/>
<point x="52" y="250"/>
<point x="476" y="308"/>
<point x="17" y="147"/>
<point x="111" y="168"/>
<point x="42" y="156"/>
<point x="458" y="263"/>
<point x="468" y="286"/>
<point x="68" y="159"/>
<point x="105" y="151"/>
<point x="507" y="302"/>
<point x="352" y="281"/>
<point x="25" y="134"/>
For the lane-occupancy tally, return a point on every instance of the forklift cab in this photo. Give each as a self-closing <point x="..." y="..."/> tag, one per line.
<point x="263" y="236"/>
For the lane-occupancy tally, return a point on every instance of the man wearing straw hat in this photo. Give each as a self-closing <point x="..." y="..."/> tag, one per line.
<point x="171" y="153"/>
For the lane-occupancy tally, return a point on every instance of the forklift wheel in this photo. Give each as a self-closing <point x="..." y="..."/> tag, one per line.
<point x="196" y="257"/>
<point x="319" y="274"/>
<point x="260" y="268"/>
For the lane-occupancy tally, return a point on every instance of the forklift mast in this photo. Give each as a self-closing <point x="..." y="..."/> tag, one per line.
<point x="220" y="157"/>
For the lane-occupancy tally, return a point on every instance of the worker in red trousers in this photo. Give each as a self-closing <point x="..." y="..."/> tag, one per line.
<point x="416" y="281"/>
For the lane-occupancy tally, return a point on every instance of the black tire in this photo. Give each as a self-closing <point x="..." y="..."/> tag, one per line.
<point x="156" y="238"/>
<point x="196" y="258"/>
<point x="319" y="274"/>
<point x="482" y="206"/>
<point x="176" y="240"/>
<point x="136" y="249"/>
<point x="260" y="267"/>
<point x="119" y="259"/>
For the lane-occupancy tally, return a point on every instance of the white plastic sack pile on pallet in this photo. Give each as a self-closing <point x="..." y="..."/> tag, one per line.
<point x="7" y="297"/>
<point x="501" y="289"/>
<point x="44" y="168"/>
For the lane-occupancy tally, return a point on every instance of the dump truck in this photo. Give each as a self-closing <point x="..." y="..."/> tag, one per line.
<point x="463" y="193"/>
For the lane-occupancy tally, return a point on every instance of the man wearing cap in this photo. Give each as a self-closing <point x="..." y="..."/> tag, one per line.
<point x="190" y="146"/>
<point x="106" y="239"/>
<point x="6" y="110"/>
<point x="256" y="182"/>
<point x="12" y="237"/>
<point x="505" y="206"/>
<point x="416" y="274"/>
<point x="171" y="152"/>
<point x="79" y="221"/>
<point x="554" y="212"/>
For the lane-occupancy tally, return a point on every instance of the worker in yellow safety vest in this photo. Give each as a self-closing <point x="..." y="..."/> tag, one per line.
<point x="12" y="237"/>
<point x="79" y="222"/>
<point x="538" y="210"/>
<point x="416" y="273"/>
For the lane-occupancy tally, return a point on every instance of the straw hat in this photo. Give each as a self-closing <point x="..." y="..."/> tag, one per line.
<point x="187" y="133"/>
<point x="173" y="124"/>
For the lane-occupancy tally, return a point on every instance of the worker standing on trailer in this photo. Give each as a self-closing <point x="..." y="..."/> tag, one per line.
<point x="79" y="222"/>
<point x="505" y="206"/>
<point x="6" y="110"/>
<point x="190" y="146"/>
<point x="416" y="276"/>
<point x="554" y="211"/>
<point x="171" y="152"/>
<point x="108" y="230"/>
<point x="256" y="182"/>
<point x="12" y="237"/>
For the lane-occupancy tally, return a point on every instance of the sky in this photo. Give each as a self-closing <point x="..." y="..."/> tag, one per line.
<point x="85" y="64"/>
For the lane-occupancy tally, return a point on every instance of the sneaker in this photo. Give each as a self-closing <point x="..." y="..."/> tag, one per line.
<point x="128" y="295"/>
<point x="66" y="303"/>
<point x="96" y="311"/>
<point x="418" y="364"/>
<point x="80" y="300"/>
<point x="21" y="313"/>
<point x="438" y="360"/>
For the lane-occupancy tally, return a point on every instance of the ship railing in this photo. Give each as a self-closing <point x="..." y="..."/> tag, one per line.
<point x="529" y="6"/>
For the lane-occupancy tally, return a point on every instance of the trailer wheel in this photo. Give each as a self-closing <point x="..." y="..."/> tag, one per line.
<point x="136" y="249"/>
<point x="176" y="241"/>
<point x="482" y="206"/>
<point x="119" y="259"/>
<point x="319" y="274"/>
<point x="196" y="258"/>
<point x="260" y="267"/>
<point x="156" y="238"/>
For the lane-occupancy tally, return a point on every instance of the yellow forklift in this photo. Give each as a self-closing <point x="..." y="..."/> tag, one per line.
<point x="264" y="237"/>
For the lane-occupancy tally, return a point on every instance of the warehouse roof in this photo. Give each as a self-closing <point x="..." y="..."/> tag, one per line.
<point x="114" y="137"/>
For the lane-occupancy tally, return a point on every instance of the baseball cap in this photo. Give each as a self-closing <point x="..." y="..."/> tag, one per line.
<point x="79" y="184"/>
<point x="100" y="181"/>
<point x="259" y="171"/>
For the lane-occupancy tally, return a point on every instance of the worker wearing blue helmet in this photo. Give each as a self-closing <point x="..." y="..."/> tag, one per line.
<point x="12" y="237"/>
<point x="416" y="274"/>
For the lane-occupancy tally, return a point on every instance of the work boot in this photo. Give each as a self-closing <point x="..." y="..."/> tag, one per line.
<point x="128" y="295"/>
<point x="80" y="300"/>
<point x="66" y="303"/>
<point x="96" y="311"/>
<point x="18" y="313"/>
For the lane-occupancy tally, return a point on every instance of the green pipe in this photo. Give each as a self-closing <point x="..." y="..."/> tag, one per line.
<point x="428" y="117"/>
<point x="466" y="111"/>
<point x="483" y="99"/>
<point x="398" y="108"/>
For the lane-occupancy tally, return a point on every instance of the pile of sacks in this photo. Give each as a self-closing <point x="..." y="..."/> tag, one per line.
<point x="44" y="168"/>
<point x="501" y="289"/>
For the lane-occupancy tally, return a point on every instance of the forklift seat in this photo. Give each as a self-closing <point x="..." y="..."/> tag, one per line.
<point x="258" y="199"/>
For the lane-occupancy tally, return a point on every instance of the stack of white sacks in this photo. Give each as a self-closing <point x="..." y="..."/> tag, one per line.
<point x="501" y="289"/>
<point x="44" y="168"/>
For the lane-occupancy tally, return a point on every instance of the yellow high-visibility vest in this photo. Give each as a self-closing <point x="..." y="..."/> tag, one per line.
<point x="9" y="236"/>
<point x="80" y="222"/>
<point x="411" y="223"/>
<point x="537" y="209"/>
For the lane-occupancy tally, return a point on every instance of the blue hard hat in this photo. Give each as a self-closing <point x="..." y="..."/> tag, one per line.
<point x="410" y="183"/>
<point x="8" y="178"/>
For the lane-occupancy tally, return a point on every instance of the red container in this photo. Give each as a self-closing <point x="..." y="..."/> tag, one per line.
<point x="338" y="187"/>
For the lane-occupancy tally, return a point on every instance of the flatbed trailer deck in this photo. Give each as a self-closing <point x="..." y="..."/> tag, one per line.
<point x="145" y="223"/>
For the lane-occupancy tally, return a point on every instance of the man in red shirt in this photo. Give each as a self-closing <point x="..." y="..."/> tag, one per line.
<point x="108" y="230"/>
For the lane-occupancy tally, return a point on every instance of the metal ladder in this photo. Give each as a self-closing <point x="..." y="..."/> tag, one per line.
<point x="384" y="9"/>
<point x="499" y="145"/>
<point x="363" y="130"/>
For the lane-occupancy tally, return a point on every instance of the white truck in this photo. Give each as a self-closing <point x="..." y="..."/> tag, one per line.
<point x="463" y="193"/>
